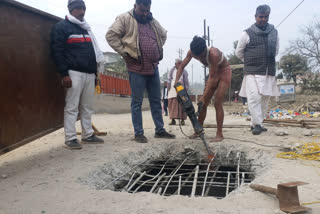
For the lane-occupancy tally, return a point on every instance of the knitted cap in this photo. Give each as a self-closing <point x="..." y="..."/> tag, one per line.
<point x="72" y="4"/>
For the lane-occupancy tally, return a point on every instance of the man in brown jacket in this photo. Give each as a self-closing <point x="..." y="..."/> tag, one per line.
<point x="139" y="39"/>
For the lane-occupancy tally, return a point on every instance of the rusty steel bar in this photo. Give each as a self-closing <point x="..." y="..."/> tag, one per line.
<point x="186" y="180"/>
<point x="211" y="180"/>
<point x="199" y="182"/>
<point x="228" y="183"/>
<point x="159" y="191"/>
<point x="227" y="156"/>
<point x="166" y="178"/>
<point x="199" y="185"/>
<point x="238" y="169"/>
<point x="118" y="178"/>
<point x="126" y="187"/>
<point x="179" y="187"/>
<point x="200" y="172"/>
<point x="156" y="166"/>
<point x="136" y="181"/>
<point x="205" y="180"/>
<point x="155" y="175"/>
<point x="195" y="180"/>
<point x="243" y="178"/>
<point x="177" y="171"/>
<point x="156" y="183"/>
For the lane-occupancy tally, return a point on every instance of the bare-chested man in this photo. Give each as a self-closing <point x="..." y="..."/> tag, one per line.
<point x="218" y="83"/>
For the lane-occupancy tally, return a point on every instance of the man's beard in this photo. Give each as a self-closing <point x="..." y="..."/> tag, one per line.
<point x="142" y="20"/>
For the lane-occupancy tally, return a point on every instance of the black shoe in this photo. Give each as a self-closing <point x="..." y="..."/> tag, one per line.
<point x="73" y="144"/>
<point x="182" y="123"/>
<point x="92" y="140"/>
<point x="257" y="130"/>
<point x="172" y="123"/>
<point x="164" y="135"/>
<point x="140" y="138"/>
<point x="263" y="128"/>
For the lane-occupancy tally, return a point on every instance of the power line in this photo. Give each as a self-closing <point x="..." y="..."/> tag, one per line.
<point x="290" y="13"/>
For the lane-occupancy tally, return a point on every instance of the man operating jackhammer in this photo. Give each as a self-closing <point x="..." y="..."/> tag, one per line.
<point x="218" y="83"/>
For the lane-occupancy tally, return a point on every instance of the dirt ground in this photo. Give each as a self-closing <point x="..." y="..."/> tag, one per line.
<point x="106" y="104"/>
<point x="45" y="177"/>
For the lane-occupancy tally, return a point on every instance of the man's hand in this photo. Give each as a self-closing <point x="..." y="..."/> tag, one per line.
<point x="67" y="82"/>
<point x="200" y="107"/>
<point x="175" y="84"/>
<point x="128" y="59"/>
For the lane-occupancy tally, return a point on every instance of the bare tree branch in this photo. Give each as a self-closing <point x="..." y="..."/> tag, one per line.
<point x="308" y="44"/>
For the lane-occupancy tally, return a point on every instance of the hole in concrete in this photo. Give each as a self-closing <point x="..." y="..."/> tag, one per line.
<point x="189" y="174"/>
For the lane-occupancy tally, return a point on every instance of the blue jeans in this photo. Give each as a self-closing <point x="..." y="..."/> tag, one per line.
<point x="138" y="84"/>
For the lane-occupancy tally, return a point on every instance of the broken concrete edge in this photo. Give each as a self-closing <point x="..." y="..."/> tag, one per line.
<point x="101" y="176"/>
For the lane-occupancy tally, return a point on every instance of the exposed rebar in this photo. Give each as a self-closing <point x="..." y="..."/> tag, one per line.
<point x="179" y="187"/>
<point x="200" y="172"/>
<point x="243" y="178"/>
<point x="186" y="180"/>
<point x="195" y="180"/>
<point x="118" y="178"/>
<point x="177" y="171"/>
<point x="238" y="169"/>
<point x="163" y="167"/>
<point x="205" y="180"/>
<point x="211" y="180"/>
<point x="228" y="183"/>
<point x="126" y="187"/>
<point x="156" y="183"/>
<point x="167" y="178"/>
<point x="136" y="181"/>
<point x="176" y="183"/>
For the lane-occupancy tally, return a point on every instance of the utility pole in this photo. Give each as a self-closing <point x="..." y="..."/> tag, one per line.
<point x="192" y="73"/>
<point x="180" y="52"/>
<point x="208" y="36"/>
<point x="205" y="37"/>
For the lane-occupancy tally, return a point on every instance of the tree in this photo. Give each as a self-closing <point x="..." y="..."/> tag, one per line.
<point x="309" y="43"/>
<point x="280" y="76"/>
<point x="118" y="66"/>
<point x="232" y="58"/>
<point x="164" y="77"/>
<point x="237" y="74"/>
<point x="293" y="65"/>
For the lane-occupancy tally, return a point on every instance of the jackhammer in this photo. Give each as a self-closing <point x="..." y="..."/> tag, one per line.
<point x="185" y="101"/>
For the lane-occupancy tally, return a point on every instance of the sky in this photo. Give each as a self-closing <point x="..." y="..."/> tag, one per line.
<point x="184" y="18"/>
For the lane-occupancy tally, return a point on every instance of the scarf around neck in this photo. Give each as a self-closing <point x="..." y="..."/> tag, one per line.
<point x="84" y="25"/>
<point x="272" y="34"/>
<point x="140" y="20"/>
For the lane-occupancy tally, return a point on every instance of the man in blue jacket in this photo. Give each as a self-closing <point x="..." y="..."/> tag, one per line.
<point x="76" y="54"/>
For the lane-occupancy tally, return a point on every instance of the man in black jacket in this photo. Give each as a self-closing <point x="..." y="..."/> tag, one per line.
<point x="76" y="53"/>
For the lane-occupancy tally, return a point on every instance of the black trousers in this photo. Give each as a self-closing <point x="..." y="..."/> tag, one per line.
<point x="165" y="106"/>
